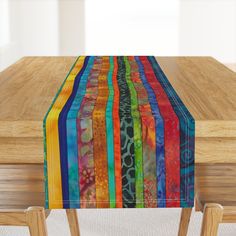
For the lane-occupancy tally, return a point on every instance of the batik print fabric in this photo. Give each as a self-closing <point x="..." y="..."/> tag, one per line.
<point x="117" y="135"/>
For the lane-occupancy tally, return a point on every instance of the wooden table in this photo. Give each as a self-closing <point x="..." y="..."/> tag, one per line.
<point x="206" y="87"/>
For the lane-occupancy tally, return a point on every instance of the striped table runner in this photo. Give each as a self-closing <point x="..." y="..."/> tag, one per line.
<point x="117" y="135"/>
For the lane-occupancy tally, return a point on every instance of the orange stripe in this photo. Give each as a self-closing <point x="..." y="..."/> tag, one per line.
<point x="53" y="151"/>
<point x="117" y="152"/>
<point x="100" y="148"/>
<point x="148" y="138"/>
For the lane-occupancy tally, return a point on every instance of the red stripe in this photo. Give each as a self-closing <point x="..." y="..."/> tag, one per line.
<point x="99" y="137"/>
<point x="117" y="151"/>
<point x="171" y="137"/>
<point x="148" y="138"/>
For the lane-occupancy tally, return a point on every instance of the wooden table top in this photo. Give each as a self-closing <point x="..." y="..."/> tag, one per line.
<point x="206" y="87"/>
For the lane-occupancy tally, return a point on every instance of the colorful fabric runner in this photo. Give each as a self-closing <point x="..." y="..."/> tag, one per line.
<point x="117" y="135"/>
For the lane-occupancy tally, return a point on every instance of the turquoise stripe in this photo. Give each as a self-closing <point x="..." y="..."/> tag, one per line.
<point x="160" y="142"/>
<point x="72" y="146"/>
<point x="138" y="145"/>
<point x="110" y="138"/>
<point x="45" y="138"/>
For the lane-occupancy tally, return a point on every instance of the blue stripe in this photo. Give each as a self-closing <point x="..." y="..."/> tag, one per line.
<point x="72" y="152"/>
<point x="62" y="139"/>
<point x="159" y="126"/>
<point x="45" y="138"/>
<point x="110" y="137"/>
<point x="187" y="137"/>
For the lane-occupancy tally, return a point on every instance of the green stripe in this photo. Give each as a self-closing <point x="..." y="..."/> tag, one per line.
<point x="138" y="149"/>
<point x="44" y="137"/>
<point x="110" y="138"/>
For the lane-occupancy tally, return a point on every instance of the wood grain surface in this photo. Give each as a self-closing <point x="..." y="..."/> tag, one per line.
<point x="205" y="86"/>
<point x="216" y="183"/>
<point x="212" y="217"/>
<point x="184" y="221"/>
<point x="22" y="186"/>
<point x="27" y="89"/>
<point x="73" y="222"/>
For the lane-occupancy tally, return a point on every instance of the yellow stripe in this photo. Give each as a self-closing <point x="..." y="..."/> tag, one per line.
<point x="53" y="151"/>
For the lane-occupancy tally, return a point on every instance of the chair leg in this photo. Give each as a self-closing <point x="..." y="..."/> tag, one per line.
<point x="36" y="221"/>
<point x="198" y="205"/>
<point x="73" y="222"/>
<point x="212" y="216"/>
<point x="184" y="221"/>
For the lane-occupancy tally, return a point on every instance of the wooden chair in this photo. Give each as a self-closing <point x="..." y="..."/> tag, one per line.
<point x="22" y="199"/>
<point x="21" y="186"/>
<point x="35" y="219"/>
<point x="213" y="215"/>
<point x="215" y="197"/>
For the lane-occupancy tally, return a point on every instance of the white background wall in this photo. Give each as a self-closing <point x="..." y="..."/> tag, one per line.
<point x="162" y="27"/>
<point x="156" y="27"/>
<point x="33" y="29"/>
<point x="41" y="28"/>
<point x="208" y="27"/>
<point x="132" y="27"/>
